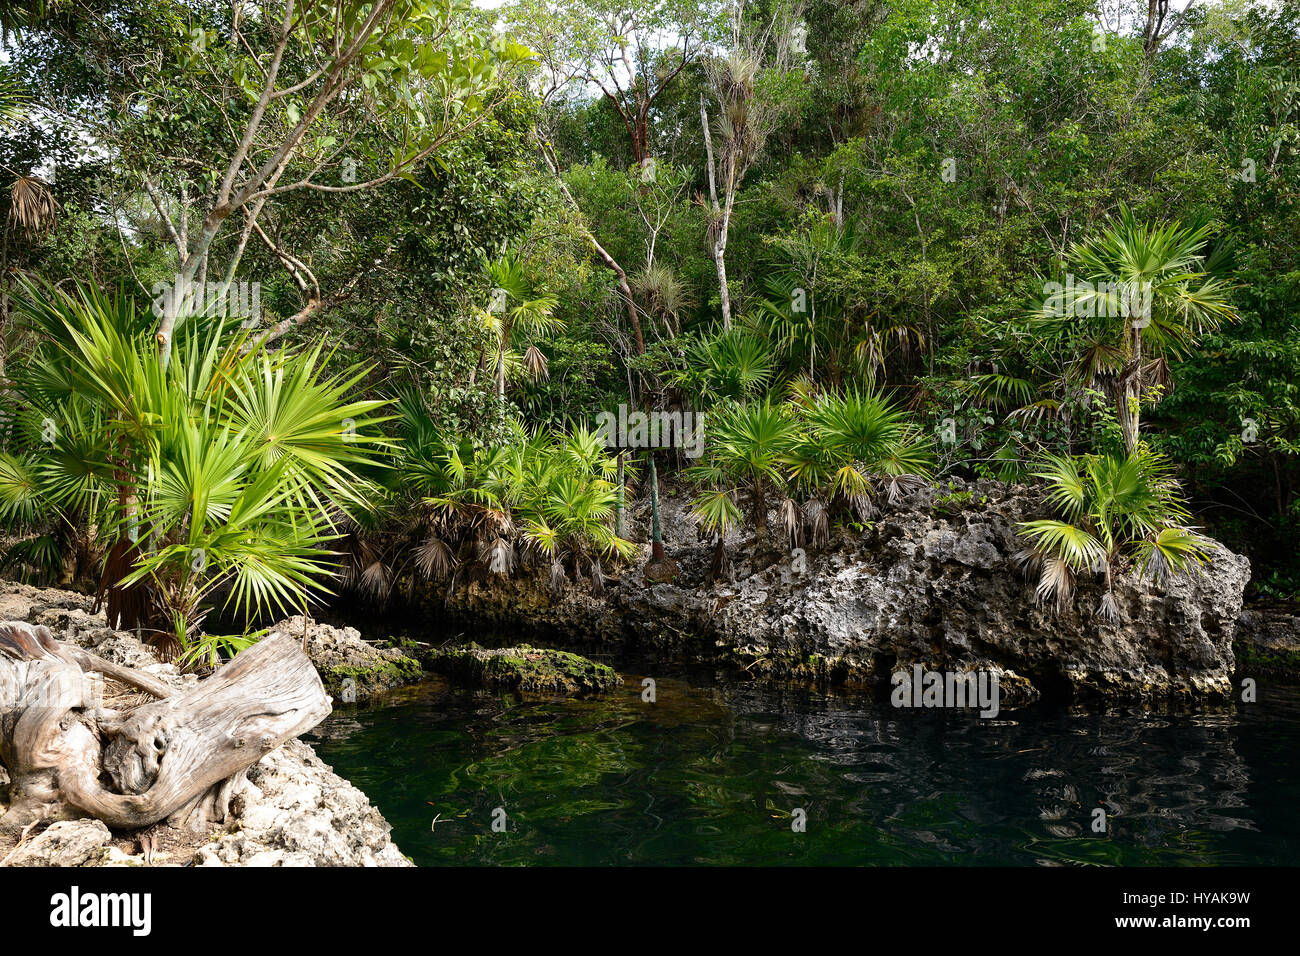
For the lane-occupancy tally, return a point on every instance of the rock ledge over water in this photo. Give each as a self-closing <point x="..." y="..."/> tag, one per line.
<point x="925" y="583"/>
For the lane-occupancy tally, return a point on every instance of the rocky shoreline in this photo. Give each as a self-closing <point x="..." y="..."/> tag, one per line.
<point x="290" y="810"/>
<point x="932" y="581"/>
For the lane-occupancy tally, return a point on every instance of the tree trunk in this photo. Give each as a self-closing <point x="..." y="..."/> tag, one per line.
<point x="718" y="238"/>
<point x="656" y="529"/>
<point x="1130" y="395"/>
<point x="724" y="293"/>
<point x="178" y="758"/>
<point x="619" y="525"/>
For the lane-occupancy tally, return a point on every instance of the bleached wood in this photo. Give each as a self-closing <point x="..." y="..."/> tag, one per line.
<point x="178" y="757"/>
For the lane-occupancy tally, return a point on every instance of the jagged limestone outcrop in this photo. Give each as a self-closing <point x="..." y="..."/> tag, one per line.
<point x="921" y="584"/>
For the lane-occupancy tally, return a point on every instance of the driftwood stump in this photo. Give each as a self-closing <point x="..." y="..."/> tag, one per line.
<point x="177" y="758"/>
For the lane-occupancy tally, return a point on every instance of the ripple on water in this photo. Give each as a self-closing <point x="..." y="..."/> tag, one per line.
<point x="713" y="772"/>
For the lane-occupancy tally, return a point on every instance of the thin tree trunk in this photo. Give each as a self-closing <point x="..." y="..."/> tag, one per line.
<point x="619" y="526"/>
<point x="1131" y="395"/>
<point x="656" y="529"/>
<point x="719" y="224"/>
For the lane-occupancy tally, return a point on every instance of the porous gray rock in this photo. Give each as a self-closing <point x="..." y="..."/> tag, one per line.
<point x="927" y="582"/>
<point x="351" y="668"/>
<point x="293" y="810"/>
<point x="67" y="843"/>
<point x="1268" y="639"/>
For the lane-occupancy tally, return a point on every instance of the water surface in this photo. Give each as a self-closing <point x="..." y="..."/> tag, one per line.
<point x="712" y="772"/>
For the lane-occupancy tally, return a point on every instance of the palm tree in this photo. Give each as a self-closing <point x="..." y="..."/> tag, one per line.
<point x="747" y="450"/>
<point x="1116" y="511"/>
<point x="565" y="495"/>
<point x="13" y="102"/>
<point x="451" y="506"/>
<point x="731" y="366"/>
<point x="833" y="451"/>
<point x="853" y="448"/>
<point x="32" y="206"/>
<point x="1144" y="295"/>
<point x="519" y="307"/>
<point x="228" y="471"/>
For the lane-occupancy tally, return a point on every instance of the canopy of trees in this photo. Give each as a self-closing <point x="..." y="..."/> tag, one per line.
<point x="872" y="240"/>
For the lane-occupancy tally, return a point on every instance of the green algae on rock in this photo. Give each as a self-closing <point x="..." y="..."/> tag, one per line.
<point x="530" y="669"/>
<point x="352" y="670"/>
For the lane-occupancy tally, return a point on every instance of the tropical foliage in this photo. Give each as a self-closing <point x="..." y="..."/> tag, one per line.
<point x="223" y="475"/>
<point x="1117" y="512"/>
<point x="462" y="510"/>
<point x="869" y="242"/>
<point x="816" y="457"/>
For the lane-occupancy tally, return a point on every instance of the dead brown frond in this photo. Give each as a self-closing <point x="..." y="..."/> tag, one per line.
<point x="817" y="522"/>
<point x="535" y="364"/>
<point x="434" y="558"/>
<point x="498" y="556"/>
<point x="792" y="522"/>
<point x="32" y="206"/>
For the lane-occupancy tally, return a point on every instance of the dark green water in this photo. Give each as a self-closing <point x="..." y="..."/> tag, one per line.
<point x="710" y="773"/>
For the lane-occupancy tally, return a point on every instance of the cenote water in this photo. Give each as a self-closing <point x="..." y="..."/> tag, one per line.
<point x="711" y="772"/>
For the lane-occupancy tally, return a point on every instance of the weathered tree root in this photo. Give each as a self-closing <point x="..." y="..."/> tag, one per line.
<point x="178" y="758"/>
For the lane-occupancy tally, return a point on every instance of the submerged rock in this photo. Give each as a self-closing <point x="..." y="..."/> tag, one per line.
<point x="530" y="669"/>
<point x="918" y="585"/>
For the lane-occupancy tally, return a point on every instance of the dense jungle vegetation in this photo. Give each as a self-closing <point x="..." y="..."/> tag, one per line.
<point x="300" y="296"/>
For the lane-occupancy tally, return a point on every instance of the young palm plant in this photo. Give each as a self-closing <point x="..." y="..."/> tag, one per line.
<point x="831" y="450"/>
<point x="732" y="365"/>
<point x="519" y="308"/>
<point x="747" y="450"/>
<point x="454" y="508"/>
<point x="1118" y="511"/>
<point x="228" y="472"/>
<point x="852" y="449"/>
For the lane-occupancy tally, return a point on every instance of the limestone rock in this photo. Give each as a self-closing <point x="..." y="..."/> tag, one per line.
<point x="1267" y="640"/>
<point x="294" y="810"/>
<point x="931" y="581"/>
<point x="532" y="669"/>
<point x="67" y="843"/>
<point x="351" y="668"/>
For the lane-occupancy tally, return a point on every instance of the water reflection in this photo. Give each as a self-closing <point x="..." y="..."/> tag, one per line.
<point x="711" y="772"/>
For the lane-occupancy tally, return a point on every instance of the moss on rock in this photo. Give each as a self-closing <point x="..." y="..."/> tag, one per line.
<point x="352" y="669"/>
<point x="524" y="668"/>
<point x="1266" y="660"/>
<point x="380" y="673"/>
